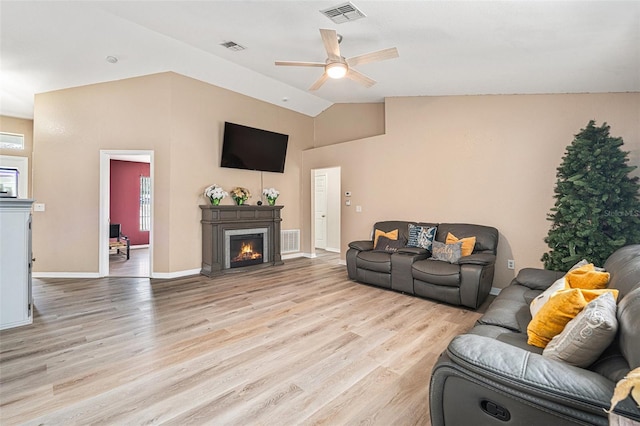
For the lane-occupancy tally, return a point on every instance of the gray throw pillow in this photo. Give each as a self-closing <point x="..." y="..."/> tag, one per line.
<point x="447" y="252"/>
<point x="587" y="335"/>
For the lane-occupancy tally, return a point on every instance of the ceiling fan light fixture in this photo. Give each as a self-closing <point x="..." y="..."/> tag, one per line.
<point x="336" y="70"/>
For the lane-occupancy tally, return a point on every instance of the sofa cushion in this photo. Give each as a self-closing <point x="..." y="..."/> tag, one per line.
<point x="627" y="270"/>
<point x="628" y="314"/>
<point x="436" y="272"/>
<point x="374" y="261"/>
<point x="586" y="336"/>
<point x="510" y="309"/>
<point x="486" y="236"/>
<point x="468" y="243"/>
<point x="446" y="252"/>
<point x="421" y="236"/>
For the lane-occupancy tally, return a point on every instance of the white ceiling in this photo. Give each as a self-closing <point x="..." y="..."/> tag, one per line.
<point x="446" y="47"/>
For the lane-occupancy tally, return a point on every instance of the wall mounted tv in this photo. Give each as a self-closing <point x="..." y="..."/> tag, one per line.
<point x="253" y="149"/>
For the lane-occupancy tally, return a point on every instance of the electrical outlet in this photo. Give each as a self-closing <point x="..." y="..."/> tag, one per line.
<point x="511" y="264"/>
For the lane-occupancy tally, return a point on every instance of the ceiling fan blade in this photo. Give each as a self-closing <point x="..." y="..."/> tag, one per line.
<point x="300" y="64"/>
<point x="360" y="78"/>
<point x="330" y="40"/>
<point x="319" y="82"/>
<point x="379" y="55"/>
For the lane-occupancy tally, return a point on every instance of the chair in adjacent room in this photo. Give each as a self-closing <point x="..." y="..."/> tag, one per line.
<point x="117" y="241"/>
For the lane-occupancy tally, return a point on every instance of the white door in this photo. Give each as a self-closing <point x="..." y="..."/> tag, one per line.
<point x="321" y="210"/>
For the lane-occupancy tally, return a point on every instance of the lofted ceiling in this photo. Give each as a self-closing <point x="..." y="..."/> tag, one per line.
<point x="446" y="47"/>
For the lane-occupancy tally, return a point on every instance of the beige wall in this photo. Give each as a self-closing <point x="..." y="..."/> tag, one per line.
<point x="24" y="127"/>
<point x="347" y="122"/>
<point x="478" y="159"/>
<point x="181" y="120"/>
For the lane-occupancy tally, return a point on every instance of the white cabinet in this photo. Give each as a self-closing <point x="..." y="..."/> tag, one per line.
<point x="15" y="262"/>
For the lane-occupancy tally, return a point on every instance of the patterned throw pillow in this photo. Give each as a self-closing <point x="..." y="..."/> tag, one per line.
<point x="421" y="236"/>
<point x="447" y="252"/>
<point x="586" y="336"/>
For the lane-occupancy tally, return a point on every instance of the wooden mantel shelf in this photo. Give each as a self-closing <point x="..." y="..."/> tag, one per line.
<point x="218" y="219"/>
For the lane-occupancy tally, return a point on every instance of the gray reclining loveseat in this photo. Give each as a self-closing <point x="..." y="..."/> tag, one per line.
<point x="466" y="282"/>
<point x="491" y="376"/>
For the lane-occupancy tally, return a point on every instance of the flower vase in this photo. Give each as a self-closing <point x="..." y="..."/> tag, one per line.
<point x="215" y="201"/>
<point x="239" y="201"/>
<point x="271" y="201"/>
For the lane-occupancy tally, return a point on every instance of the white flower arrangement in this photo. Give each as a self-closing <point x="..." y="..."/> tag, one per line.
<point x="270" y="192"/>
<point x="215" y="193"/>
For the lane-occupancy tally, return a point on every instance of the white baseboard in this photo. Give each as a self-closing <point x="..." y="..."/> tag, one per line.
<point x="332" y="250"/>
<point x="292" y="255"/>
<point x="495" y="291"/>
<point x="141" y="246"/>
<point x="177" y="274"/>
<point x="342" y="262"/>
<point x="65" y="275"/>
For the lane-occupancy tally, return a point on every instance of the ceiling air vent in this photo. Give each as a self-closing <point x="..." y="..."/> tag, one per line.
<point x="343" y="13"/>
<point x="232" y="45"/>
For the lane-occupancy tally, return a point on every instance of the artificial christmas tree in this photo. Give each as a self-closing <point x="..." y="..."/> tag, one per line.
<point x="597" y="208"/>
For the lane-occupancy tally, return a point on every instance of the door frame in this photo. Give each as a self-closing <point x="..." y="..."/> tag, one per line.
<point x="105" y="205"/>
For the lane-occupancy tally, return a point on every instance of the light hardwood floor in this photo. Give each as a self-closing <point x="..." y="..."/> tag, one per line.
<point x="136" y="266"/>
<point x="286" y="345"/>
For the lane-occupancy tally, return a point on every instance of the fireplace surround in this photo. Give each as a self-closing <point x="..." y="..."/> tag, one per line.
<point x="221" y="223"/>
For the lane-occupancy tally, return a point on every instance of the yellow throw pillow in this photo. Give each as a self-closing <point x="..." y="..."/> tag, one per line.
<point x="467" y="243"/>
<point x="561" y="308"/>
<point x="392" y="235"/>
<point x="587" y="277"/>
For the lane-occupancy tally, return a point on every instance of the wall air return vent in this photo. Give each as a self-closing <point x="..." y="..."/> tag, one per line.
<point x="232" y="45"/>
<point x="343" y="13"/>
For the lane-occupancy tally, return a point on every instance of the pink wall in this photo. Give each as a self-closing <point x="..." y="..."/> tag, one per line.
<point x="125" y="198"/>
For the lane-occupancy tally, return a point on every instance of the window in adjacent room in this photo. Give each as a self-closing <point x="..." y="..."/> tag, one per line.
<point x="145" y="203"/>
<point x="11" y="140"/>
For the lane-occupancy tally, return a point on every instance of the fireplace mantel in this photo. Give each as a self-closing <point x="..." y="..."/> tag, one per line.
<point x="218" y="219"/>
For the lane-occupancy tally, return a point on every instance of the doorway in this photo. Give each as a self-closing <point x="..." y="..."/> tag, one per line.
<point x="326" y="210"/>
<point x="138" y="260"/>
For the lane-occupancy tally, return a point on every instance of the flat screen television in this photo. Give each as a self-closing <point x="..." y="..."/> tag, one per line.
<point x="253" y="149"/>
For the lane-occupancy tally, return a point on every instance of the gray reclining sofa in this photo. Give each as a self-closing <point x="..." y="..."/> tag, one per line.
<point x="491" y="376"/>
<point x="409" y="270"/>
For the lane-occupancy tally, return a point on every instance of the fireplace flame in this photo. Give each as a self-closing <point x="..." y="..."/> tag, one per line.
<point x="247" y="253"/>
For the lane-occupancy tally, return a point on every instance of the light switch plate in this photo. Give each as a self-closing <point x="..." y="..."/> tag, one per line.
<point x="38" y="207"/>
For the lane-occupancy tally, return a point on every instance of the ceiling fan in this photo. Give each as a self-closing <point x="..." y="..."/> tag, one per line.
<point x="337" y="66"/>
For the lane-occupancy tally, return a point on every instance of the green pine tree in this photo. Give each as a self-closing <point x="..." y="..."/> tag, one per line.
<point x="597" y="208"/>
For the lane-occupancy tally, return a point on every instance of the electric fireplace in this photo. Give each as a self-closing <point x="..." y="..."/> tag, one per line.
<point x="245" y="247"/>
<point x="245" y="250"/>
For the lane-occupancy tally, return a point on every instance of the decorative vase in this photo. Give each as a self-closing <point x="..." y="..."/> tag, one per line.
<point x="272" y="200"/>
<point x="239" y="201"/>
<point x="215" y="201"/>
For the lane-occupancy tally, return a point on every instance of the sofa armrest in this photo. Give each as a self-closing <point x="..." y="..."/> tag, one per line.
<point x="414" y="250"/>
<point x="534" y="374"/>
<point x="537" y="279"/>
<point x="364" y="245"/>
<point x="478" y="259"/>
